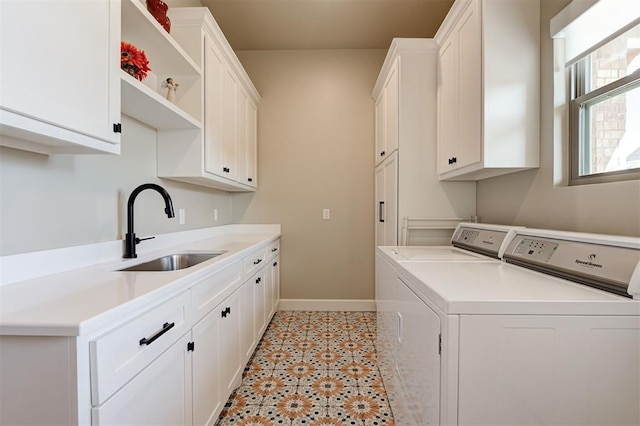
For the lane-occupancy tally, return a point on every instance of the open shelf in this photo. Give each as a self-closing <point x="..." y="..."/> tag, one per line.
<point x="166" y="57"/>
<point x="144" y="104"/>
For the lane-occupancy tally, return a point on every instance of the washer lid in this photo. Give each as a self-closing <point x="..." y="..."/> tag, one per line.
<point x="502" y="289"/>
<point x="436" y="253"/>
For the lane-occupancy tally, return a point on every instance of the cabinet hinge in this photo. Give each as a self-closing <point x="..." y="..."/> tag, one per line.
<point x="440" y="344"/>
<point x="117" y="127"/>
<point x="191" y="346"/>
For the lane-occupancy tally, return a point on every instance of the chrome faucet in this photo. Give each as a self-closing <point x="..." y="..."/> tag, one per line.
<point x="130" y="240"/>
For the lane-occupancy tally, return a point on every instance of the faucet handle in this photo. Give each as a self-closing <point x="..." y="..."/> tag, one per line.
<point x="142" y="239"/>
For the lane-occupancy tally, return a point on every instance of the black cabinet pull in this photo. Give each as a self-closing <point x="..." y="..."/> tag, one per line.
<point x="455" y="160"/>
<point x="381" y="212"/>
<point x="226" y="311"/>
<point x="166" y="327"/>
<point x="117" y="127"/>
<point x="258" y="280"/>
<point x="382" y="153"/>
<point x="275" y="263"/>
<point x="257" y="261"/>
<point x="250" y="179"/>
<point x="273" y="250"/>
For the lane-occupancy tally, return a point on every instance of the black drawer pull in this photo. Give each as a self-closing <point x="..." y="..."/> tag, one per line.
<point x="166" y="327"/>
<point x="275" y="263"/>
<point x="382" y="153"/>
<point x="258" y="280"/>
<point x="257" y="261"/>
<point x="250" y="179"/>
<point x="273" y="250"/>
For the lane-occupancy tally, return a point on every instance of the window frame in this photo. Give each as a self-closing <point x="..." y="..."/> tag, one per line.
<point x="578" y="122"/>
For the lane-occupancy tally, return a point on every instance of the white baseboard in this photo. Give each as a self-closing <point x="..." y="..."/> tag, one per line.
<point x="327" y="305"/>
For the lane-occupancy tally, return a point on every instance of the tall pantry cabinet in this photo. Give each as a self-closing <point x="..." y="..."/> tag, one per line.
<point x="406" y="177"/>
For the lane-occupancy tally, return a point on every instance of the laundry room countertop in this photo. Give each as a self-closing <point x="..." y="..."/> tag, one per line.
<point x="78" y="301"/>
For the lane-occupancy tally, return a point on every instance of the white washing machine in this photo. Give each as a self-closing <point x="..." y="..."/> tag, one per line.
<point x="550" y="336"/>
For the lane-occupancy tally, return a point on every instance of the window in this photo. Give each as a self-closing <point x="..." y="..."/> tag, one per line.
<point x="605" y="112"/>
<point x="597" y="49"/>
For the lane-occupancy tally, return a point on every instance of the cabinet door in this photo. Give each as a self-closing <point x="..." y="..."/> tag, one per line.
<point x="214" y="70"/>
<point x="229" y="123"/>
<point x="228" y="314"/>
<point x="387" y="202"/>
<point x="469" y="123"/>
<point x="392" y="109"/>
<point x="248" y="319"/>
<point x="391" y="200"/>
<point x="418" y="355"/>
<point x="247" y="140"/>
<point x="380" y="133"/>
<point x="251" y="156"/>
<point x="260" y="284"/>
<point x="207" y="398"/>
<point x="274" y="286"/>
<point x="59" y="73"/>
<point x="447" y="104"/>
<point x="159" y="395"/>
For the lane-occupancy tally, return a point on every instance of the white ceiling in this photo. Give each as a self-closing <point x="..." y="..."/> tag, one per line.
<point x="325" y="24"/>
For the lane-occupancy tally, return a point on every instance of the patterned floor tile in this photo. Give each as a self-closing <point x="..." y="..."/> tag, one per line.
<point x="312" y="369"/>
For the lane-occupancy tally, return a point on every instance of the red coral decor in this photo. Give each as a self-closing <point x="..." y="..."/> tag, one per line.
<point x="133" y="61"/>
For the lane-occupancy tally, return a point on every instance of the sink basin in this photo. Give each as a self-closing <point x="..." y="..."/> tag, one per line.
<point x="174" y="262"/>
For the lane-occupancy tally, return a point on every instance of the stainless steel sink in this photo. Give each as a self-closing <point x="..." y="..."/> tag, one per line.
<point x="174" y="262"/>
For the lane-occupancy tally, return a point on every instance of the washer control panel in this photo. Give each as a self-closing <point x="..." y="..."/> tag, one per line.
<point x="588" y="260"/>
<point x="539" y="250"/>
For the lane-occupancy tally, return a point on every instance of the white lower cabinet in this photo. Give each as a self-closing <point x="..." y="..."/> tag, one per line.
<point x="231" y="361"/>
<point x="207" y="400"/>
<point x="175" y="363"/>
<point x="273" y="287"/>
<point x="159" y="395"/>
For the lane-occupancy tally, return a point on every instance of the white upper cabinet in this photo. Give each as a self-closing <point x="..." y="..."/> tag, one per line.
<point x="387" y="114"/>
<point x="223" y="155"/>
<point x="488" y="89"/>
<point x="67" y="92"/>
<point x="60" y="76"/>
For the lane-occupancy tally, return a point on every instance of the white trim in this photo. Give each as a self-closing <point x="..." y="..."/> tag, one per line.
<point x="327" y="305"/>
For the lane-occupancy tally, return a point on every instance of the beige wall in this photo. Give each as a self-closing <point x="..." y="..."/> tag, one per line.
<point x="531" y="199"/>
<point x="315" y="132"/>
<point x="60" y="201"/>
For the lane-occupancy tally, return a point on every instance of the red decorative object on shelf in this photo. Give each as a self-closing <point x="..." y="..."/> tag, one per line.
<point x="134" y="61"/>
<point x="158" y="9"/>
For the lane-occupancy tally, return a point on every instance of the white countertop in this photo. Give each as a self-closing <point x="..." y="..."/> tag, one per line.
<point x="80" y="301"/>
<point x="495" y="287"/>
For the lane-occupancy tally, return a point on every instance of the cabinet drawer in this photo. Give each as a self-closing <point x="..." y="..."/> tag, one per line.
<point x="212" y="290"/>
<point x="253" y="262"/>
<point x="273" y="249"/>
<point x="119" y="355"/>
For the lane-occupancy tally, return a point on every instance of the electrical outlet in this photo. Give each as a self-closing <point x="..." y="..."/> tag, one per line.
<point x="326" y="214"/>
<point x="182" y="216"/>
<point x="215" y="215"/>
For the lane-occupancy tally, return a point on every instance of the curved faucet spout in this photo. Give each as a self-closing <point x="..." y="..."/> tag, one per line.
<point x="130" y="238"/>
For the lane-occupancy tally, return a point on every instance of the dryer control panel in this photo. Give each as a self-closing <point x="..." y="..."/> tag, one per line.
<point x="590" y="259"/>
